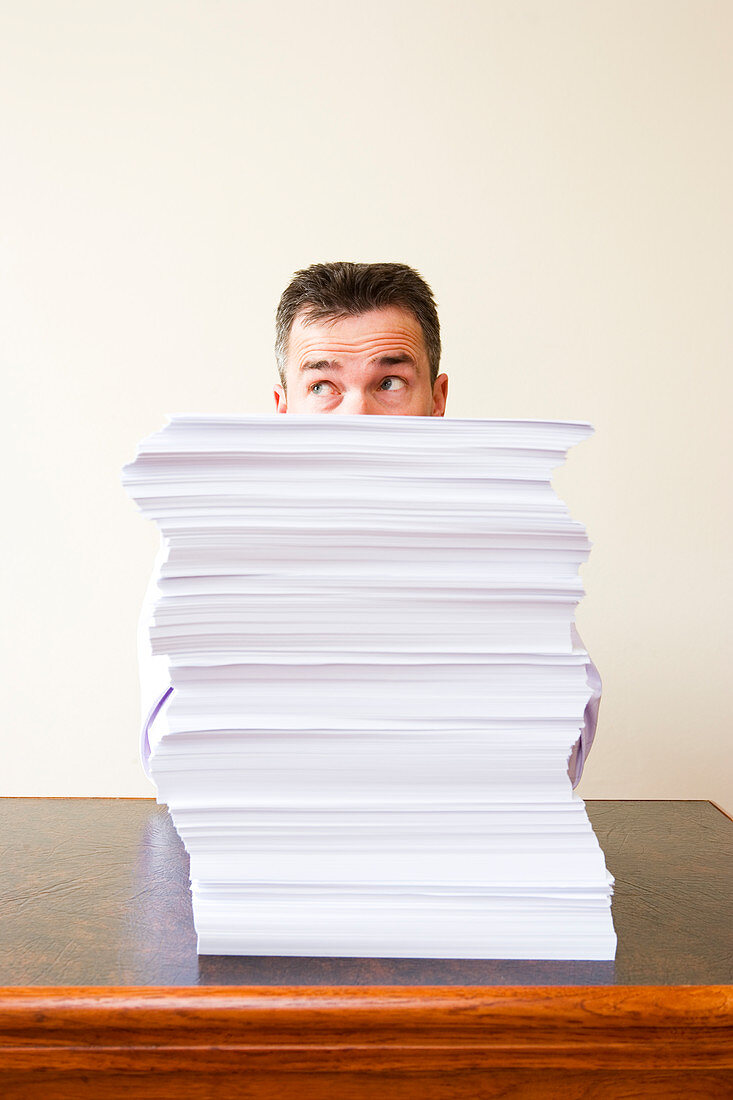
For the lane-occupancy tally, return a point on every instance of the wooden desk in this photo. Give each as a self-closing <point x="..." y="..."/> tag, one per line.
<point x="103" y="994"/>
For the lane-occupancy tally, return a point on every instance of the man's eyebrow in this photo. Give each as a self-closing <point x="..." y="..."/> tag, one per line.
<point x="394" y="360"/>
<point x="321" y="364"/>
<point x="391" y="360"/>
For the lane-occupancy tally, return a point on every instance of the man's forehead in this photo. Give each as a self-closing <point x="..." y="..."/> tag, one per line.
<point x="374" y="333"/>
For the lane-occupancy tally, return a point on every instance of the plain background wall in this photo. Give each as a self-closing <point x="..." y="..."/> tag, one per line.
<point x="561" y="174"/>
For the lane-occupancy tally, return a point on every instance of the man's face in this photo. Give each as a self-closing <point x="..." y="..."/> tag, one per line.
<point x="374" y="364"/>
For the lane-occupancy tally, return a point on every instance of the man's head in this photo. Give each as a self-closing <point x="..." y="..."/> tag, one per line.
<point x="359" y="338"/>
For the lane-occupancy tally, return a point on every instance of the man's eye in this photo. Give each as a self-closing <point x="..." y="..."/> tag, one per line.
<point x="392" y="383"/>
<point x="318" y="389"/>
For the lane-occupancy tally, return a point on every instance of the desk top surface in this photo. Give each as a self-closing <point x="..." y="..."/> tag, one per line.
<point x="95" y="892"/>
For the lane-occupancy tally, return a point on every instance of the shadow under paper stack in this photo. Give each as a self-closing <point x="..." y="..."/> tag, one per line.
<point x="368" y="628"/>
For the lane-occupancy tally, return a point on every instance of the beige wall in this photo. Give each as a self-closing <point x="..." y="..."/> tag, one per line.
<point x="561" y="173"/>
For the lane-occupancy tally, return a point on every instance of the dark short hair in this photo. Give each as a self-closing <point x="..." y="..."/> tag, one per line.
<point x="344" y="289"/>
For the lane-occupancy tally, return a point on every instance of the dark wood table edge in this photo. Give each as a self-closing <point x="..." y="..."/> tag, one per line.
<point x="61" y="1039"/>
<point x="150" y="1029"/>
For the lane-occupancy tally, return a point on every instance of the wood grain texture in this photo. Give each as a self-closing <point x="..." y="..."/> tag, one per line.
<point x="409" y="1029"/>
<point x="480" y="1085"/>
<point x="355" y="1042"/>
<point x="468" y="1085"/>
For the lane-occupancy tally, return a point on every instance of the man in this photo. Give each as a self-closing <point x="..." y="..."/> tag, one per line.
<point x="361" y="339"/>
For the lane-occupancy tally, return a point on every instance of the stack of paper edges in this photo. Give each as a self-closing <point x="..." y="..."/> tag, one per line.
<point x="367" y="622"/>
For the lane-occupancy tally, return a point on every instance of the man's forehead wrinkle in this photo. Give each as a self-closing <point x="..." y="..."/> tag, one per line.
<point x="391" y="342"/>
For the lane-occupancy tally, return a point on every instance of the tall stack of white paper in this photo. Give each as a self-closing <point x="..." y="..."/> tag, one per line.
<point x="367" y="622"/>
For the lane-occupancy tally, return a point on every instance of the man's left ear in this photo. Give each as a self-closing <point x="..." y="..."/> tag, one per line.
<point x="281" y="400"/>
<point x="440" y="395"/>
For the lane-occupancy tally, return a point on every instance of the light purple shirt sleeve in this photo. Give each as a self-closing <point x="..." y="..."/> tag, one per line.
<point x="581" y="748"/>
<point x="155" y="688"/>
<point x="145" y="732"/>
